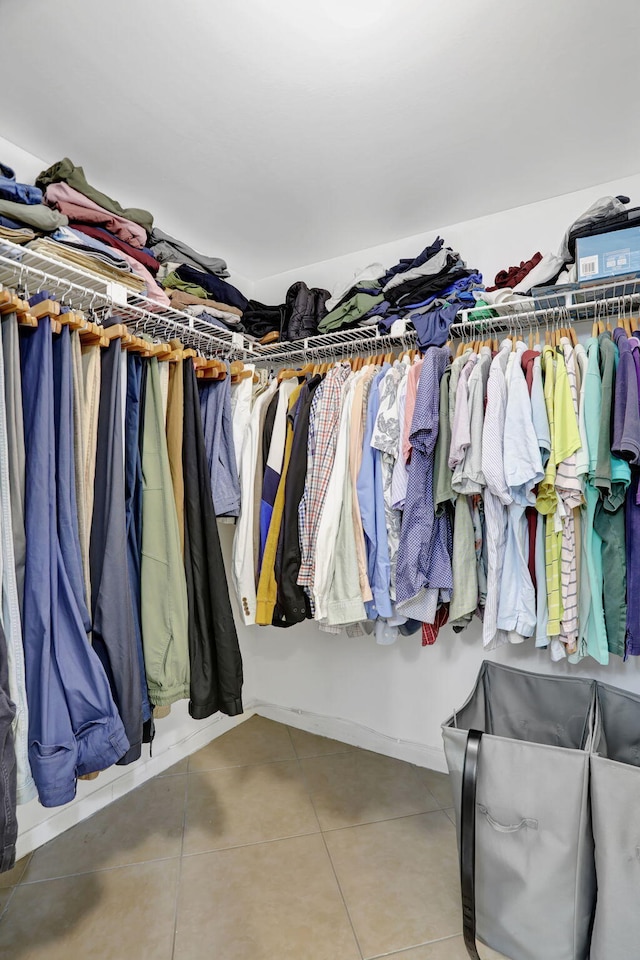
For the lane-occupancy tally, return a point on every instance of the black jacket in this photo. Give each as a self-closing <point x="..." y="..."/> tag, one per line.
<point x="214" y="653"/>
<point x="304" y="308"/>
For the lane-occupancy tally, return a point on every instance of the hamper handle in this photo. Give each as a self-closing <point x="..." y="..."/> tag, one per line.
<point x="468" y="842"/>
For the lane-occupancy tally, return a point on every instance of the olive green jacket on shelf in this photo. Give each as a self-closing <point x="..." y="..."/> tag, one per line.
<point x="66" y="171"/>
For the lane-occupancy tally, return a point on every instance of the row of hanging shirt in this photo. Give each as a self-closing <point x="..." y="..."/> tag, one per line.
<point x="497" y="484"/>
<point x="114" y="597"/>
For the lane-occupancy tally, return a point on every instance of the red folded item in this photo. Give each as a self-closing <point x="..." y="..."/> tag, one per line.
<point x="514" y="275"/>
<point x="98" y="233"/>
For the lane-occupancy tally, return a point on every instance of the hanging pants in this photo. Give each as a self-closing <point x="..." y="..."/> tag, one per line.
<point x="136" y="370"/>
<point x="215" y="408"/>
<point x="15" y="442"/>
<point x="114" y="636"/>
<point x="216" y="663"/>
<point x="63" y="416"/>
<point x="74" y="727"/>
<point x="8" y="821"/>
<point x="162" y="578"/>
<point x="11" y="620"/>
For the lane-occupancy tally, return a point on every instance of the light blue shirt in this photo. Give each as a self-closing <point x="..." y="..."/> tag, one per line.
<point x="370" y="491"/>
<point x="523" y="470"/>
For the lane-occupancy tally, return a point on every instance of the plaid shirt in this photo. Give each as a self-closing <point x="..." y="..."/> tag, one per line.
<point x="323" y="436"/>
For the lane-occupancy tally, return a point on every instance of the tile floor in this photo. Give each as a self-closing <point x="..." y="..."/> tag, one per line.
<point x="268" y="844"/>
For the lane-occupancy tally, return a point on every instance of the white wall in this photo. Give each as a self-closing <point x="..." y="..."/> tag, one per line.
<point x="27" y="167"/>
<point x="488" y="243"/>
<point x="404" y="692"/>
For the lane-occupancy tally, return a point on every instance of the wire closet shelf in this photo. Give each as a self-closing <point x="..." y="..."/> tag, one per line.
<point x="30" y="271"/>
<point x="601" y="301"/>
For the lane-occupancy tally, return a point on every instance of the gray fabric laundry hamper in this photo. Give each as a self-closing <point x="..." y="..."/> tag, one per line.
<point x="615" y="799"/>
<point x="531" y="836"/>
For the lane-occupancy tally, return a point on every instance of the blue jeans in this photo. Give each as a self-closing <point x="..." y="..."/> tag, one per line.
<point x="74" y="727"/>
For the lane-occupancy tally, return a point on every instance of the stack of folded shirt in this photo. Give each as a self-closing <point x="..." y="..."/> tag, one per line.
<point x="105" y="237"/>
<point x="425" y="291"/>
<point x="78" y="207"/>
<point x="171" y="253"/>
<point x="22" y="211"/>
<point x="16" y="232"/>
<point x="82" y="194"/>
<point x="92" y="261"/>
<point x="202" y="284"/>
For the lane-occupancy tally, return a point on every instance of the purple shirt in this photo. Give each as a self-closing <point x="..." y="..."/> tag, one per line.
<point x="626" y="411"/>
<point x="632" y="507"/>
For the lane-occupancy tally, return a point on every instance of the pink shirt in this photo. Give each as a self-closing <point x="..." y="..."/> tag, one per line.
<point x="78" y="207"/>
<point x="413" y="378"/>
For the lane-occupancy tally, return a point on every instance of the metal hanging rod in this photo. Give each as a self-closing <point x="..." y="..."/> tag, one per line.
<point x="31" y="270"/>
<point x="579" y="303"/>
<point x="359" y="340"/>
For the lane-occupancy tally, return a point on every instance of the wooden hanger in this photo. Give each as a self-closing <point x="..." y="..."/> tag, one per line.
<point x="209" y="369"/>
<point x="115" y="331"/>
<point x="9" y="302"/>
<point x="162" y="351"/>
<point x="135" y="344"/>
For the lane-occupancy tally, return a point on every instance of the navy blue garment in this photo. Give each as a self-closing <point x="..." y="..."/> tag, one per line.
<point x="216" y="287"/>
<point x="114" y="635"/>
<point x="65" y="471"/>
<point x="136" y="371"/>
<point x="18" y="192"/>
<point x="406" y="263"/>
<point x="74" y="727"/>
<point x="40" y="296"/>
<point x="13" y="224"/>
<point x="433" y="326"/>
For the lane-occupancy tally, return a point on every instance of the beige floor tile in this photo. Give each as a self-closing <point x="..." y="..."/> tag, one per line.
<point x="438" y="784"/>
<point x="126" y="912"/>
<point x="452" y="949"/>
<point x="5" y="896"/>
<point x="11" y="877"/>
<point x="360" y="787"/>
<point x="271" y="901"/>
<point x="400" y="881"/>
<point x="311" y="745"/>
<point x="146" y="824"/>
<point x="180" y="767"/>
<point x="238" y="805"/>
<point x="450" y="812"/>
<point x="257" y="740"/>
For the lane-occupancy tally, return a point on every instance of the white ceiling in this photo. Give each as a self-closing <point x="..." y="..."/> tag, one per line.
<point x="277" y="133"/>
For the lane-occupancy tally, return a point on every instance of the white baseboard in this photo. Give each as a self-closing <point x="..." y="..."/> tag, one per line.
<point x="348" y="731"/>
<point x="117" y="781"/>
